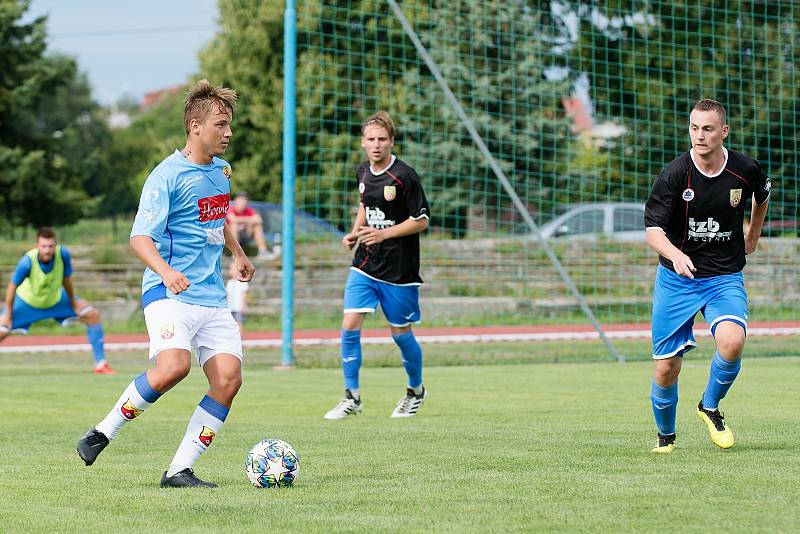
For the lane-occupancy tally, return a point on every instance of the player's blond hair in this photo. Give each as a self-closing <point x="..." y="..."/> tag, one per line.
<point x="380" y="118"/>
<point x="203" y="98"/>
<point x="707" y="104"/>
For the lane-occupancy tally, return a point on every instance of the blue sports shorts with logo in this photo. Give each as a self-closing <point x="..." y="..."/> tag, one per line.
<point x="400" y="303"/>
<point x="25" y="314"/>
<point x="677" y="299"/>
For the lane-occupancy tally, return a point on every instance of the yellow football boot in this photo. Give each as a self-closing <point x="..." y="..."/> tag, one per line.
<point x="721" y="435"/>
<point x="666" y="444"/>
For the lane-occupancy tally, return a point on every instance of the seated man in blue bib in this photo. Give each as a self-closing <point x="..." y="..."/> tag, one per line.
<point x="41" y="288"/>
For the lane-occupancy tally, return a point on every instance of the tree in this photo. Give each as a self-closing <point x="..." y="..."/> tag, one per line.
<point x="489" y="55"/>
<point x="337" y="87"/>
<point x="247" y="55"/>
<point x="661" y="59"/>
<point x="49" y="126"/>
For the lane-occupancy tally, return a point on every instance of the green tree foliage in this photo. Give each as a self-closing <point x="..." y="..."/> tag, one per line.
<point x="338" y="86"/>
<point x="247" y="55"/>
<point x="50" y="129"/>
<point x="485" y="51"/>
<point x="353" y="59"/>
<point x="663" y="56"/>
<point x="643" y="65"/>
<point x="153" y="135"/>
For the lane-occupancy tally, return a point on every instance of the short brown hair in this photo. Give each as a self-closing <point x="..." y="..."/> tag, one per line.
<point x="381" y="118"/>
<point x="707" y="104"/>
<point x="201" y="100"/>
<point x="46" y="233"/>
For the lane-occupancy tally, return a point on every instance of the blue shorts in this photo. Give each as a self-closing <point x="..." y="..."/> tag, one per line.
<point x="677" y="299"/>
<point x="400" y="304"/>
<point x="25" y="314"/>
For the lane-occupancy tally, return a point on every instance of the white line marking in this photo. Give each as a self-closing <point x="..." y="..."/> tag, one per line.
<point x="387" y="339"/>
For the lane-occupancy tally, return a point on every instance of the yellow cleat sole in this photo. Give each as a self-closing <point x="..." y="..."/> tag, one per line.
<point x="724" y="439"/>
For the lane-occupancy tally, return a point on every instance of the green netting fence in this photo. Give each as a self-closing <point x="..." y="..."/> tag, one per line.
<point x="581" y="104"/>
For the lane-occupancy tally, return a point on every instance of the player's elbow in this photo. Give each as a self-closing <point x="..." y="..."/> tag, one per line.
<point x="652" y="236"/>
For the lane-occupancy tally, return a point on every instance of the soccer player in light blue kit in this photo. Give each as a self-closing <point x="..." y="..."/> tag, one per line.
<point x="694" y="218"/>
<point x="41" y="289"/>
<point x="179" y="233"/>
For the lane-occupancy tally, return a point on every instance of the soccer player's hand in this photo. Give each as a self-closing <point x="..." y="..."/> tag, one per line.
<point x="683" y="265"/>
<point x="244" y="267"/>
<point x="349" y="241"/>
<point x="369" y="235"/>
<point x="175" y="281"/>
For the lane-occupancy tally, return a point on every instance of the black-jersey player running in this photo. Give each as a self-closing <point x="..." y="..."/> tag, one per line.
<point x="694" y="218"/>
<point x="385" y="270"/>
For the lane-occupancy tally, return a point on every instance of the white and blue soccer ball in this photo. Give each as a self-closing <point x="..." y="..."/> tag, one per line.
<point x="272" y="463"/>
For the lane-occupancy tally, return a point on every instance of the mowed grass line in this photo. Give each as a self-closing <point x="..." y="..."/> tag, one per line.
<point x="496" y="448"/>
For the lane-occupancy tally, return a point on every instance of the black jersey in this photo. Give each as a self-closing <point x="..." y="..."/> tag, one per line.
<point x="703" y="215"/>
<point x="390" y="198"/>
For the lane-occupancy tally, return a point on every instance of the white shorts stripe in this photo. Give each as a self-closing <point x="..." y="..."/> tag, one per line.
<point x="687" y="346"/>
<point x="732" y="318"/>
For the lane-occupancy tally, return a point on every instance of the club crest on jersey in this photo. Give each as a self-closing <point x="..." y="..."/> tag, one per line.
<point x="207" y="436"/>
<point x="129" y="411"/>
<point x="389" y="192"/>
<point x="167" y="331"/>
<point x="736" y="197"/>
<point x="227" y="172"/>
<point x="688" y="194"/>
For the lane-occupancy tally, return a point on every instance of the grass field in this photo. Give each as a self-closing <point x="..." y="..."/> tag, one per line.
<point x="497" y="448"/>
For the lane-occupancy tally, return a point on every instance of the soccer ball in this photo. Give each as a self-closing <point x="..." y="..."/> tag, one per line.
<point x="272" y="463"/>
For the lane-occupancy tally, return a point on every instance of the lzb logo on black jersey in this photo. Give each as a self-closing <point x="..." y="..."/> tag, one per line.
<point x="707" y="230"/>
<point x="376" y="218"/>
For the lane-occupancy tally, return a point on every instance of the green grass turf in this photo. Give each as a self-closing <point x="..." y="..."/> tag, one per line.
<point x="497" y="448"/>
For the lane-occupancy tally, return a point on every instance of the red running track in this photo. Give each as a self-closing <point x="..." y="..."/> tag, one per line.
<point x="40" y="343"/>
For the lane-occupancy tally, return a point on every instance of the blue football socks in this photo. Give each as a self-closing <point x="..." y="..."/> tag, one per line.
<point x="412" y="357"/>
<point x="351" y="357"/>
<point x="665" y="406"/>
<point x="720" y="379"/>
<point x="95" y="334"/>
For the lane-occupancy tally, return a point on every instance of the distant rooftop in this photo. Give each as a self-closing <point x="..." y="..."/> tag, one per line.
<point x="154" y="97"/>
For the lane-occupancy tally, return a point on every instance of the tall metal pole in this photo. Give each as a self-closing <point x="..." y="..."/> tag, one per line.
<point x="289" y="155"/>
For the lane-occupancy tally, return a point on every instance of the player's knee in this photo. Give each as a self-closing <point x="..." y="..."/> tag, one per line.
<point x="92" y="317"/>
<point x="731" y="347"/>
<point x="399" y="330"/>
<point x="730" y="339"/>
<point x="667" y="371"/>
<point x="228" y="386"/>
<point x="174" y="372"/>
<point x="352" y="321"/>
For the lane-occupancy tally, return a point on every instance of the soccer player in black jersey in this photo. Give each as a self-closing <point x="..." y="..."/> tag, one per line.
<point x="385" y="270"/>
<point x="694" y="218"/>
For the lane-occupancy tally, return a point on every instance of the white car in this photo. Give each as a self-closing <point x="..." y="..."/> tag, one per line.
<point x="620" y="221"/>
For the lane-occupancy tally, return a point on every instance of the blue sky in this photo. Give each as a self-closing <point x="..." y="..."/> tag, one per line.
<point x="130" y="47"/>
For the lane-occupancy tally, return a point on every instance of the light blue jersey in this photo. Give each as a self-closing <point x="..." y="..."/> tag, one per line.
<point x="182" y="208"/>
